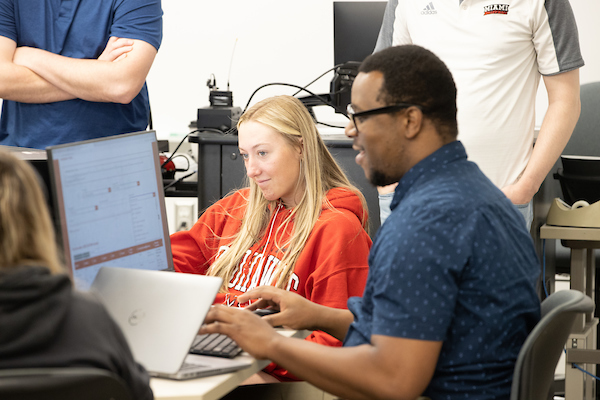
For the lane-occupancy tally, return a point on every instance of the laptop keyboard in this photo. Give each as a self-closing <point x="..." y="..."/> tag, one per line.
<point x="215" y="344"/>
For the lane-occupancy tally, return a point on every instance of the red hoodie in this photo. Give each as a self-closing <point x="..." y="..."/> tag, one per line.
<point x="331" y="268"/>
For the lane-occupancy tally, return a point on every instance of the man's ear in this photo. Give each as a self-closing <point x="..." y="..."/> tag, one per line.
<point x="413" y="121"/>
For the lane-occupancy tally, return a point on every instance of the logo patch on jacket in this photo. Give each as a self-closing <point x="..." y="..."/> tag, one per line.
<point x="495" y="9"/>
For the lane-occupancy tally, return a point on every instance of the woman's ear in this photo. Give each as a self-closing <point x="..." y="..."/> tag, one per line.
<point x="301" y="146"/>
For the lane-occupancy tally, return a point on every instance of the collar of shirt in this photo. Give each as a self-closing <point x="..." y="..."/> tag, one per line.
<point x="451" y="152"/>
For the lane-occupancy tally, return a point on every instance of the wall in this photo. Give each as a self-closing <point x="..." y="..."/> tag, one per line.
<point x="274" y="41"/>
<point x="277" y="41"/>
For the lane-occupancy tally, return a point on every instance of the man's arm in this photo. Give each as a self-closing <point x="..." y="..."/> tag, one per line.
<point x="18" y="83"/>
<point x="92" y="80"/>
<point x="387" y="368"/>
<point x="564" y="106"/>
<point x="297" y="312"/>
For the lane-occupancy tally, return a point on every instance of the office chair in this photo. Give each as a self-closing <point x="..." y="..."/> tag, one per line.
<point x="61" y="384"/>
<point x="536" y="363"/>
<point x="580" y="179"/>
<point x="585" y="139"/>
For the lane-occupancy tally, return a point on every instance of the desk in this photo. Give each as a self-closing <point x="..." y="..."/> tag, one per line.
<point x="581" y="345"/>
<point x="211" y="387"/>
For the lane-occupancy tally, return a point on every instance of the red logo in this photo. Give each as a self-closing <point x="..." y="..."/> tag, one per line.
<point x="495" y="9"/>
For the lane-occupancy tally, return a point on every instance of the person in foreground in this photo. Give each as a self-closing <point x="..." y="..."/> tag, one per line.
<point x="45" y="323"/>
<point x="300" y="225"/>
<point x="450" y="296"/>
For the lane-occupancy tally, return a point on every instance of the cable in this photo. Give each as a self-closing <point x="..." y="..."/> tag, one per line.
<point x="329" y="125"/>
<point x="544" y="267"/>
<point x="324" y="100"/>
<point x="177" y="148"/>
<point x="583" y="370"/>
<point x="231" y="62"/>
<point x="186" y="136"/>
<point x="546" y="293"/>
<point x="188" y="162"/>
<point x="317" y="78"/>
<point x="214" y="130"/>
<point x="180" y="179"/>
<point x="586" y="372"/>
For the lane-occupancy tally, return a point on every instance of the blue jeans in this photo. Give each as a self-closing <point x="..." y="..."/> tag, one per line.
<point x="526" y="211"/>
<point x="384" y="206"/>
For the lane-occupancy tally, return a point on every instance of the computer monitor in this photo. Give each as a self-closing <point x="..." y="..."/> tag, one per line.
<point x="37" y="159"/>
<point x="356" y="25"/>
<point x="110" y="202"/>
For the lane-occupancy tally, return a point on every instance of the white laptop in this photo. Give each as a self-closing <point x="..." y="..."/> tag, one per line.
<point x="109" y="199"/>
<point x="160" y="313"/>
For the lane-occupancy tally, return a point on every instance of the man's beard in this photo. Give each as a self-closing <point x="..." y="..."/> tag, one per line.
<point x="378" y="178"/>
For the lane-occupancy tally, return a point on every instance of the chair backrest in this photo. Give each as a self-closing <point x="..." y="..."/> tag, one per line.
<point x="536" y="363"/>
<point x="61" y="383"/>
<point x="585" y="140"/>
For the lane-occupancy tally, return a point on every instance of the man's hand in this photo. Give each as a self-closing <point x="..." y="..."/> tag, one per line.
<point x="297" y="312"/>
<point x="116" y="49"/>
<point x="247" y="329"/>
<point x="520" y="193"/>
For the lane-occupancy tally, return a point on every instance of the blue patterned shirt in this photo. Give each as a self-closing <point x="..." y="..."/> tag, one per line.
<point x="452" y="263"/>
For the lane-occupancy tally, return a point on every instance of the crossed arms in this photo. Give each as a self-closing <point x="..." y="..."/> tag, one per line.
<point x="31" y="75"/>
<point x="388" y="367"/>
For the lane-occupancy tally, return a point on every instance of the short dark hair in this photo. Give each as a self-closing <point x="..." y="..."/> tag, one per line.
<point x="412" y="74"/>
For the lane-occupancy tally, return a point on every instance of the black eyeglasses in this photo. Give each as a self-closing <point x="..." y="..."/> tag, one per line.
<point x="381" y="110"/>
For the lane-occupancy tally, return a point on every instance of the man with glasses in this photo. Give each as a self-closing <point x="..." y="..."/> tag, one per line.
<point x="450" y="296"/>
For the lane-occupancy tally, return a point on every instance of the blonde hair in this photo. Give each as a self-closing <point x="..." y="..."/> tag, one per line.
<point x="26" y="230"/>
<point x="319" y="173"/>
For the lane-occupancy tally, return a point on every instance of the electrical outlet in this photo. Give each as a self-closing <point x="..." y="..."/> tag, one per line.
<point x="184" y="216"/>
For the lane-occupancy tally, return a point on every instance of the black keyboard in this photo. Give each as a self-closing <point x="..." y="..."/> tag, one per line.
<point x="215" y="344"/>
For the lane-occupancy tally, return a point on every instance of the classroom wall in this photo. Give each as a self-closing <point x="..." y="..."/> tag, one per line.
<point x="275" y="41"/>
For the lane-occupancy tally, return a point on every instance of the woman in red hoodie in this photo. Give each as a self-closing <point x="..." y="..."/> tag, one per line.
<point x="299" y="225"/>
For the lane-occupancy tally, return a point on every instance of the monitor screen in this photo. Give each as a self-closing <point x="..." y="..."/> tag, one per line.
<point x="356" y="26"/>
<point x="37" y="159"/>
<point x="110" y="203"/>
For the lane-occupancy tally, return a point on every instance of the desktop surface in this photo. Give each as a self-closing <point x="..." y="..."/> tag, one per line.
<point x="216" y="386"/>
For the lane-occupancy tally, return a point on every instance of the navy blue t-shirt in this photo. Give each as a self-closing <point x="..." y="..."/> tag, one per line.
<point x="453" y="263"/>
<point x="78" y="29"/>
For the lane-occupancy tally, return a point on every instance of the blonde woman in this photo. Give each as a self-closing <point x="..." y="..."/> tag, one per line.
<point x="44" y="322"/>
<point x="299" y="225"/>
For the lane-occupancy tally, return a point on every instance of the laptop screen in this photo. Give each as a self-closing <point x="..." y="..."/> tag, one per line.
<point x="109" y="199"/>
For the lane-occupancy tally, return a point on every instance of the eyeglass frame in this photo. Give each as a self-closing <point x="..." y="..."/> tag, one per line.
<point x="374" y="111"/>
